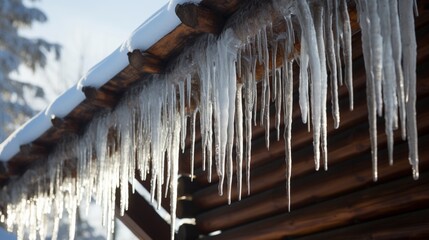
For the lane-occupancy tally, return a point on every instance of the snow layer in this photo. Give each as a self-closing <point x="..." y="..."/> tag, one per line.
<point x="147" y="130"/>
<point x="27" y="133"/>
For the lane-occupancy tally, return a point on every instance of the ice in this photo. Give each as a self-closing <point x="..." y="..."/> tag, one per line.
<point x="147" y="129"/>
<point x="389" y="78"/>
<point x="193" y="123"/>
<point x="347" y="49"/>
<point x="397" y="58"/>
<point x="309" y="37"/>
<point x="239" y="138"/>
<point x="409" y="46"/>
<point x="331" y="60"/>
<point x="318" y="12"/>
<point x="364" y="21"/>
<point x="304" y="101"/>
<point x="288" y="103"/>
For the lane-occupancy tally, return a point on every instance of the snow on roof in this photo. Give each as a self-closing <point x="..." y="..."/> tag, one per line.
<point x="151" y="31"/>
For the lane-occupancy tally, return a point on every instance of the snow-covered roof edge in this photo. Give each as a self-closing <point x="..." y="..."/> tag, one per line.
<point x="151" y="31"/>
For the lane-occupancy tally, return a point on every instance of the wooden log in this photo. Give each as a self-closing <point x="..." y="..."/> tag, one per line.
<point x="413" y="225"/>
<point x="65" y="125"/>
<point x="351" y="175"/>
<point x="187" y="231"/>
<point x="145" y="62"/>
<point x="100" y="98"/>
<point x="226" y="7"/>
<point x="142" y="219"/>
<point x="388" y="199"/>
<point x="200" y="18"/>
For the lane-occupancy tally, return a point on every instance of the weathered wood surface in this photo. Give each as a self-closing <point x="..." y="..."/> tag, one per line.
<point x="142" y="219"/>
<point x="350" y="175"/>
<point x="414" y="225"/>
<point x="200" y="18"/>
<point x="395" y="197"/>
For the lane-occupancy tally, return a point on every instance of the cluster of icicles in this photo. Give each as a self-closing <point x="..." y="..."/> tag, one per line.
<point x="217" y="78"/>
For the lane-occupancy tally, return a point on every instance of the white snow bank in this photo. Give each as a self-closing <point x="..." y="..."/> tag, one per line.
<point x="151" y="31"/>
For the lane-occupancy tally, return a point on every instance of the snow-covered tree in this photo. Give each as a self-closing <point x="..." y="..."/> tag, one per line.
<point x="16" y="50"/>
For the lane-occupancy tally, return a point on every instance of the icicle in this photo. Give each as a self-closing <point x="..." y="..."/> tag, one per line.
<point x="332" y="62"/>
<point x="389" y="78"/>
<point x="309" y="33"/>
<point x="266" y="87"/>
<point x="347" y="50"/>
<point x="288" y="104"/>
<point x="174" y="174"/>
<point x="182" y="114"/>
<point x="239" y="138"/>
<point x="397" y="58"/>
<point x="337" y="40"/>
<point x="371" y="91"/>
<point x="376" y="43"/>
<point x="188" y="89"/>
<point x="193" y="119"/>
<point x="278" y="105"/>
<point x="276" y="89"/>
<point x="249" y="103"/>
<point x="408" y="39"/>
<point x="319" y="26"/>
<point x="303" y="82"/>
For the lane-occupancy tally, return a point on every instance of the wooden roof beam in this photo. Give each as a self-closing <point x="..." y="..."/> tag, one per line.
<point x="200" y="18"/>
<point x="145" y="62"/>
<point x="65" y="125"/>
<point x="100" y="98"/>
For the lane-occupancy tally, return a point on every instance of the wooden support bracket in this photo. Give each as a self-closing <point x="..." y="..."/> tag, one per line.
<point x="200" y="18"/>
<point x="145" y="62"/>
<point x="100" y="98"/>
<point x="64" y="125"/>
<point x="33" y="149"/>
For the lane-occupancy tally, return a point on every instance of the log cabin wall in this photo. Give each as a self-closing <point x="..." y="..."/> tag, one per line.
<point x="341" y="203"/>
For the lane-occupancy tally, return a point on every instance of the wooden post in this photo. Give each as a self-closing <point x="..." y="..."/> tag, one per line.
<point x="186" y="208"/>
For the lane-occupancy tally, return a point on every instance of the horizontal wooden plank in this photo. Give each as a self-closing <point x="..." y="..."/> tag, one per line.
<point x="384" y="200"/>
<point x="142" y="219"/>
<point x="351" y="175"/>
<point x="414" y="225"/>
